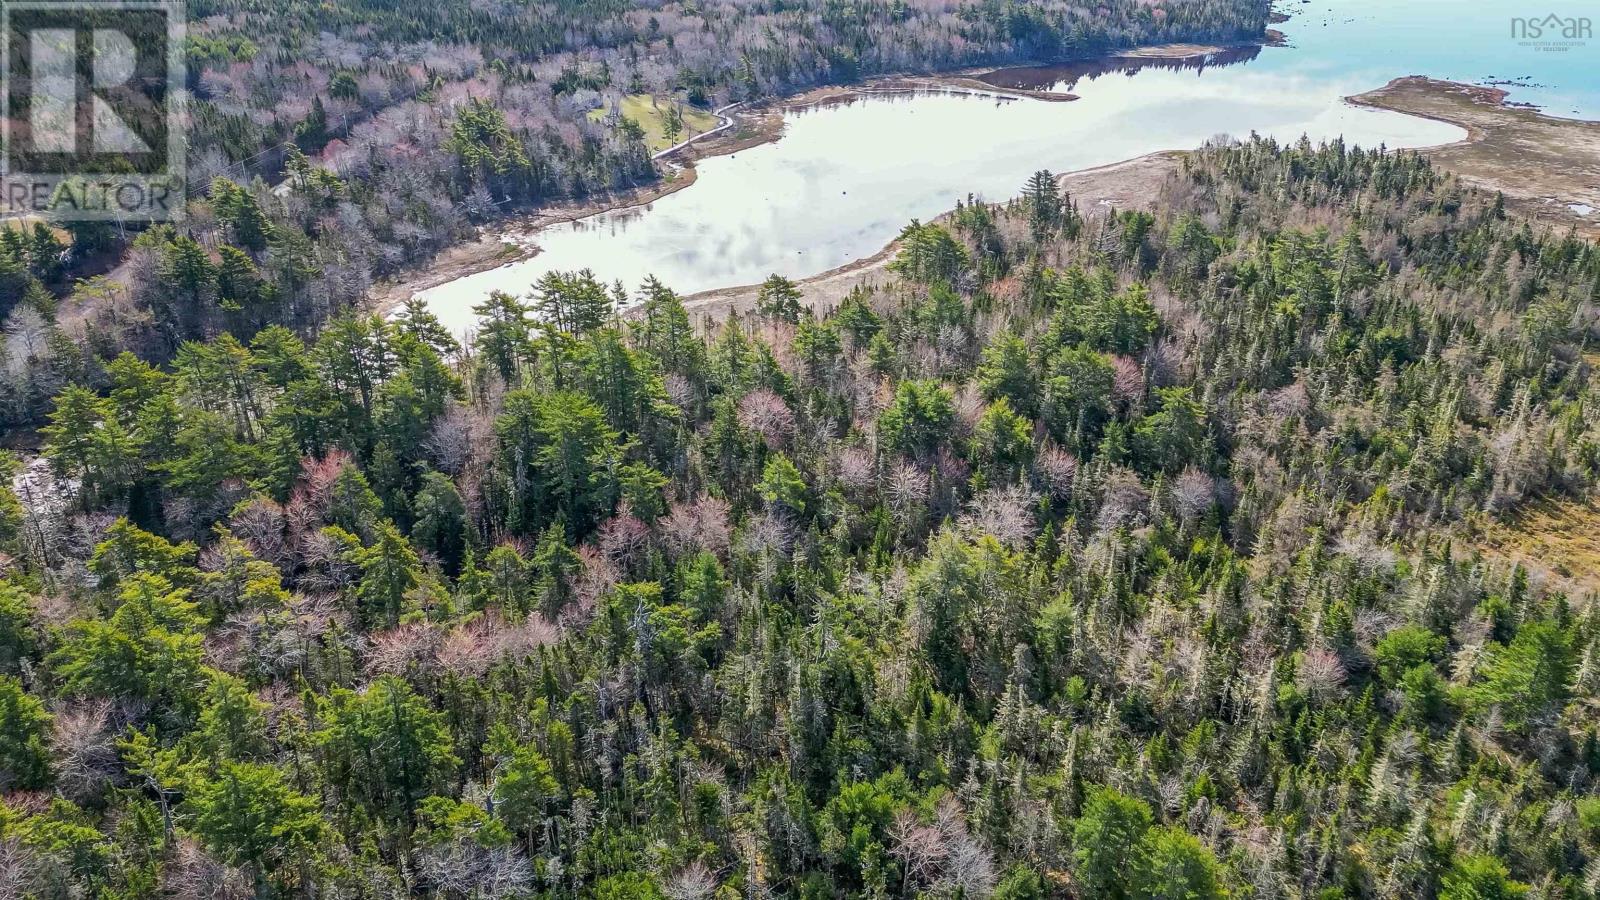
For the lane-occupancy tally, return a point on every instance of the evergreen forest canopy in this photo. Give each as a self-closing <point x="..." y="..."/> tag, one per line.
<point x="1101" y="555"/>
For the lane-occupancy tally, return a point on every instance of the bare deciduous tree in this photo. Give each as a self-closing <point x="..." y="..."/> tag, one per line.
<point x="195" y="874"/>
<point x="1006" y="513"/>
<point x="766" y="414"/>
<point x="692" y="882"/>
<point x="83" y="747"/>
<point x="1056" y="468"/>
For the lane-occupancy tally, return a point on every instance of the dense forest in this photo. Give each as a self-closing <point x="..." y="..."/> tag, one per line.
<point x="335" y="143"/>
<point x="1101" y="555"/>
<point x="371" y="75"/>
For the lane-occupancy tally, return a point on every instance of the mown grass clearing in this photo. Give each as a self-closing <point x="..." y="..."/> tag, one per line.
<point x="651" y="113"/>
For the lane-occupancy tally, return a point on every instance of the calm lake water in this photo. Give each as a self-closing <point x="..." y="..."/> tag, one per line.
<point x="845" y="179"/>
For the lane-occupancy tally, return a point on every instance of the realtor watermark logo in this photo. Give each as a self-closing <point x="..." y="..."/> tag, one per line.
<point x="90" y="117"/>
<point x="1552" y="33"/>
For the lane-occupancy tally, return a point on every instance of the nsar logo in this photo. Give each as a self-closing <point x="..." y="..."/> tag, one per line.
<point x="1552" y="33"/>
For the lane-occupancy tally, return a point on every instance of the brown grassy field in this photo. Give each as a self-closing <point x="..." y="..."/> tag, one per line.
<point x="1556" y="540"/>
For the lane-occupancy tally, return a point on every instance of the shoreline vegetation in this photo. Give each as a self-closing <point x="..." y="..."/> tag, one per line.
<point x="1539" y="162"/>
<point x="752" y="126"/>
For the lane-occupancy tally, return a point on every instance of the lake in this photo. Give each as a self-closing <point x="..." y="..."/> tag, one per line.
<point x="845" y="178"/>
